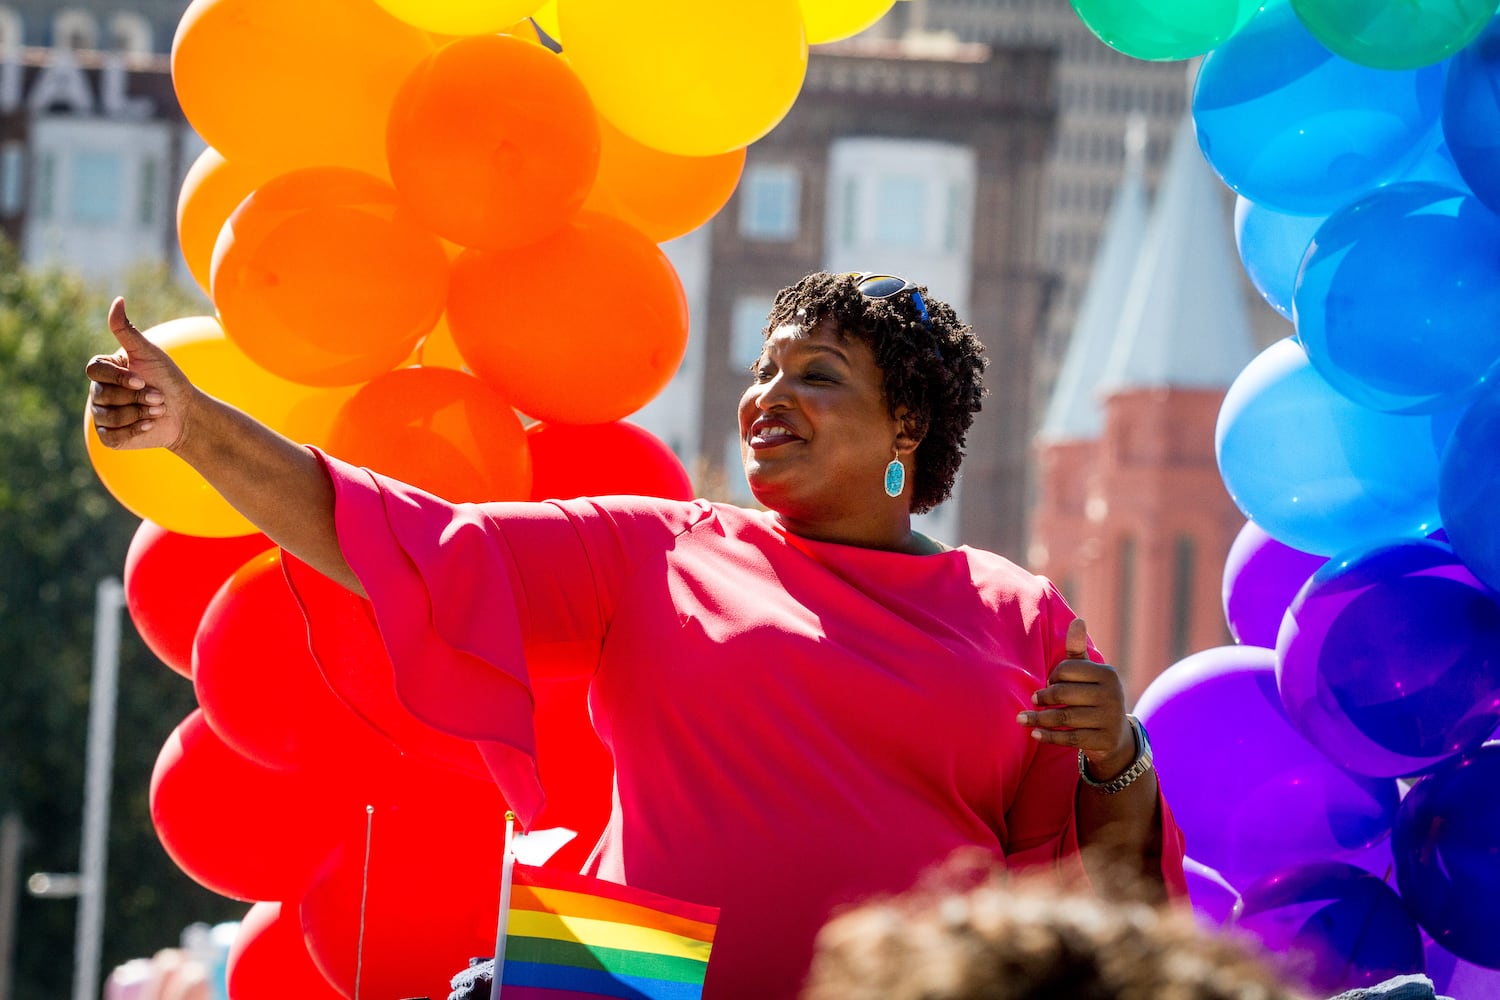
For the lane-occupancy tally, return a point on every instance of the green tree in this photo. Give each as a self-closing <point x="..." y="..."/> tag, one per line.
<point x="60" y="533"/>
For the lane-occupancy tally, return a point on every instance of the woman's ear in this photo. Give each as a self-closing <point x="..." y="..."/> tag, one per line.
<point x="911" y="428"/>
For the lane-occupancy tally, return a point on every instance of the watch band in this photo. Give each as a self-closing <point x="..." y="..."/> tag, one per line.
<point x="1127" y="777"/>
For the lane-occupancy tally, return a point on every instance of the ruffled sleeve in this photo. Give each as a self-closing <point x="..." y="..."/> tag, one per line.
<point x="1042" y="824"/>
<point x="459" y="589"/>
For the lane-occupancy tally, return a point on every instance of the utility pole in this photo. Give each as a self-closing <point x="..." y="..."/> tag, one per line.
<point x="10" y="895"/>
<point x="109" y="602"/>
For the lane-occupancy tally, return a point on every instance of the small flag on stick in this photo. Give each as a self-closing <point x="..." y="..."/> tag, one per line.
<point x="570" y="937"/>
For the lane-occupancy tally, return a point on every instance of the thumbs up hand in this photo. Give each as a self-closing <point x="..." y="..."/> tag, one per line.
<point x="1083" y="706"/>
<point x="138" y="398"/>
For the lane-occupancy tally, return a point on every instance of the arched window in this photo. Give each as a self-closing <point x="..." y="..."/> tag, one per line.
<point x="130" y="33"/>
<point x="10" y="29"/>
<point x="74" y="29"/>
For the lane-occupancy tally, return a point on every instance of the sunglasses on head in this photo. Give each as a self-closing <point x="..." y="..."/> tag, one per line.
<point x="883" y="286"/>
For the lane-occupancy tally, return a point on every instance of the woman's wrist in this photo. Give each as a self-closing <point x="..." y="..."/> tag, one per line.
<point x="1123" y="767"/>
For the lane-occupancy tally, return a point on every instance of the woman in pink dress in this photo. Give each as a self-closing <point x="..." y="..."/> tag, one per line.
<point x="806" y="705"/>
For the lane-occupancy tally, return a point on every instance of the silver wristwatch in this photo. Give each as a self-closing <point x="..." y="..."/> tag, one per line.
<point x="1127" y="777"/>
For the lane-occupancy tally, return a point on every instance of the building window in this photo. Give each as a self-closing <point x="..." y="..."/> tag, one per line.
<point x="1126" y="603"/>
<point x="10" y="30"/>
<point x="901" y="202"/>
<point x="96" y="188"/>
<point x="747" y="327"/>
<point x="130" y="33"/>
<point x="770" y="202"/>
<point x="46" y="186"/>
<point x="735" y="483"/>
<point x="75" y="29"/>
<point x="1184" y="556"/>
<point x="12" y="177"/>
<point x="148" y="200"/>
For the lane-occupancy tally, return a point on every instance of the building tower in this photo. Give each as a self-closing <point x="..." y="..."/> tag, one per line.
<point x="1136" y="526"/>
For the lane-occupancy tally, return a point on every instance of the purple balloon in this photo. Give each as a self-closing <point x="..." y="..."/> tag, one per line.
<point x="1251" y="795"/>
<point x="1333" y="926"/>
<point x="1261" y="576"/>
<point x="1454" y="977"/>
<point x="1389" y="659"/>
<point x="1215" y="901"/>
<point x="1446" y="840"/>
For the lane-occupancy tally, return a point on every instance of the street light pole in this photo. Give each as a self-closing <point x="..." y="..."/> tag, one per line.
<point x="108" y="603"/>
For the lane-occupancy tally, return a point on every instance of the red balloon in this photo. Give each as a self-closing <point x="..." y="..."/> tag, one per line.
<point x="422" y="896"/>
<point x="584" y="327"/>
<point x="352" y="658"/>
<point x="493" y="141"/>
<point x="441" y="430"/>
<point x="169" y="580"/>
<point x="268" y="960"/>
<point x="235" y="827"/>
<point x="257" y="681"/>
<point x="577" y="460"/>
<point x="576" y="769"/>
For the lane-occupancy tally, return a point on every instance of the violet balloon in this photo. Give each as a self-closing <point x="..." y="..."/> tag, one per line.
<point x="1261" y="576"/>
<point x="1446" y="840"/>
<point x="1251" y="795"/>
<point x="1334" y="926"/>
<point x="1215" y="901"/>
<point x="1389" y="659"/>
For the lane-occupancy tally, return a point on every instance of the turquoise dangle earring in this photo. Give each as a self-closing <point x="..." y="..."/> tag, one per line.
<point x="895" y="478"/>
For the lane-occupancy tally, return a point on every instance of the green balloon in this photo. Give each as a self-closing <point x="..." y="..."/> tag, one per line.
<point x="1394" y="34"/>
<point x="1165" y="29"/>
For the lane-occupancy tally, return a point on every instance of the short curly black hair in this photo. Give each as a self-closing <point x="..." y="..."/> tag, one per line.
<point x="934" y="368"/>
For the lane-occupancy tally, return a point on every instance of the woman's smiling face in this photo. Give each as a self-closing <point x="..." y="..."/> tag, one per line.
<point x="815" y="430"/>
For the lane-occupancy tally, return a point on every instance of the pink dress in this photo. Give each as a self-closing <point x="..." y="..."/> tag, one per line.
<point x="795" y="725"/>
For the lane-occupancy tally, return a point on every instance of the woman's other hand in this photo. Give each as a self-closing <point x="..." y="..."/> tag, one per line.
<point x="138" y="398"/>
<point x="1083" y="706"/>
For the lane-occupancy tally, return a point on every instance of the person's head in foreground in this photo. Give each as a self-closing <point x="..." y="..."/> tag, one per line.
<point x="857" y="372"/>
<point x="1020" y="941"/>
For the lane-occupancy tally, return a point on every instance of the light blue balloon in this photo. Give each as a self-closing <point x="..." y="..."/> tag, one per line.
<point x="1469" y="487"/>
<point x="1271" y="245"/>
<point x="1299" y="130"/>
<point x="1471" y="114"/>
<point x="1398" y="300"/>
<point x="1317" y="471"/>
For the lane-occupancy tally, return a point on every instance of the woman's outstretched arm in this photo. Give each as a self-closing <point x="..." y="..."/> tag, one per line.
<point x="139" y="398"/>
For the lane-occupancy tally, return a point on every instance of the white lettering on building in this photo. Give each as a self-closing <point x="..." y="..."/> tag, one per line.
<point x="62" y="85"/>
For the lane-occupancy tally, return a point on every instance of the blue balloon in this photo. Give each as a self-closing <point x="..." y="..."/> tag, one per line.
<point x="1453" y="977"/>
<point x="1398" y="300"/>
<point x="1389" y="659"/>
<point x="1471" y="114"/>
<point x="1469" y="487"/>
<point x="1297" y="129"/>
<point x="1250" y="794"/>
<point x="1317" y="471"/>
<point x="1271" y="245"/>
<point x="1446" y="840"/>
<point x="1333" y="926"/>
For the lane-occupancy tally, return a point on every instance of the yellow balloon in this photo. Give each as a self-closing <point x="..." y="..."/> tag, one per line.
<point x="685" y="76"/>
<point x="831" y="20"/>
<point x="211" y="191"/>
<point x="155" y="484"/>
<point x="460" y="17"/>
<point x="545" y="17"/>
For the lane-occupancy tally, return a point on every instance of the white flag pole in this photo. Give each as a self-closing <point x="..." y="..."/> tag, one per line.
<point x="507" y="868"/>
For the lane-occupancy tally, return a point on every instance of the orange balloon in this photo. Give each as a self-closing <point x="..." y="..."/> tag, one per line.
<point x="323" y="277"/>
<point x="211" y="191"/>
<point x="583" y="328"/>
<point x="439" y="350"/>
<point x="281" y="84"/>
<point x="157" y="485"/>
<point x="438" y="429"/>
<point x="661" y="194"/>
<point x="494" y="142"/>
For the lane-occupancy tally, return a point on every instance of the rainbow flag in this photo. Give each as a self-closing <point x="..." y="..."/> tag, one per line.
<point x="572" y="937"/>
